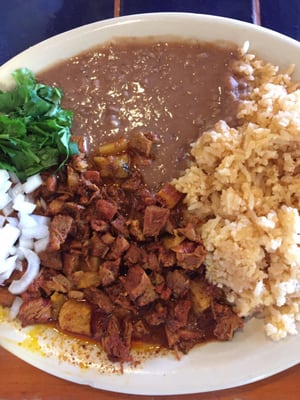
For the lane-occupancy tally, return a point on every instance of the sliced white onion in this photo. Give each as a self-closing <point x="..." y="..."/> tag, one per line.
<point x="16" y="190"/>
<point x="19" y="264"/>
<point x="4" y="180"/>
<point x="5" y="199"/>
<point x="32" y="183"/>
<point x="33" y="265"/>
<point x="27" y="220"/>
<point x="37" y="232"/>
<point x="26" y="242"/>
<point x="8" y="236"/>
<point x="13" y="221"/>
<point x="13" y="177"/>
<point x="15" y="307"/>
<point x="41" y="219"/>
<point x="5" y="186"/>
<point x="21" y="204"/>
<point x="2" y="221"/>
<point x="7" y="266"/>
<point x="7" y="210"/>
<point x="21" y="237"/>
<point x="4" y="177"/>
<point x="41" y="244"/>
<point x="12" y="251"/>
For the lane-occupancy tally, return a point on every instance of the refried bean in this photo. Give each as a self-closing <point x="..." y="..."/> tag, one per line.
<point x="175" y="89"/>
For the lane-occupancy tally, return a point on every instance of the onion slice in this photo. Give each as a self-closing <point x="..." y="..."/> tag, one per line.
<point x="33" y="264"/>
<point x="7" y="267"/>
<point x="15" y="307"/>
<point x="8" y="236"/>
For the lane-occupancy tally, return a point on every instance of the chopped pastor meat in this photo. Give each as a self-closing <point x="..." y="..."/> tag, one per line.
<point x="135" y="255"/>
<point x="178" y="315"/>
<point x="226" y="321"/>
<point x="158" y="315"/>
<point x="190" y="256"/>
<point x="139" y="286"/>
<point x="35" y="311"/>
<point x="71" y="263"/>
<point x="135" y="230"/>
<point x="93" y="176"/>
<point x="51" y="259"/>
<point x="108" y="271"/>
<point x="99" y="225"/>
<point x="97" y="246"/>
<point x="118" y="248"/>
<point x="6" y="298"/>
<point x="120" y="225"/>
<point x="113" y="343"/>
<point x="99" y="298"/>
<point x="123" y="265"/>
<point x="56" y="283"/>
<point x="155" y="219"/>
<point x="178" y="282"/>
<point x="140" y="331"/>
<point x="105" y="209"/>
<point x="51" y="183"/>
<point x="60" y="227"/>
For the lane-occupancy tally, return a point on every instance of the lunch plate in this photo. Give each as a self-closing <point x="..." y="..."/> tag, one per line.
<point x="250" y="356"/>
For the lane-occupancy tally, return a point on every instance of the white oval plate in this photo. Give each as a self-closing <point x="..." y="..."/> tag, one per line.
<point x="250" y="356"/>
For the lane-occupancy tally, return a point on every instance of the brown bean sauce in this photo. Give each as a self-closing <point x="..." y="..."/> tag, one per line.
<point x="174" y="89"/>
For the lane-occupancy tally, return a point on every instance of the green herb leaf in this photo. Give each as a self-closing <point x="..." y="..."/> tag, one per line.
<point x="35" y="132"/>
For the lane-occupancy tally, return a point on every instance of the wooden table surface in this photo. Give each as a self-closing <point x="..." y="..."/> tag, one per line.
<point x="20" y="381"/>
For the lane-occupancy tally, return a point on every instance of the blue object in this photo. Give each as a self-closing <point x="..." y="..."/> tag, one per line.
<point x="282" y="16"/>
<point x="27" y="22"/>
<point x="238" y="9"/>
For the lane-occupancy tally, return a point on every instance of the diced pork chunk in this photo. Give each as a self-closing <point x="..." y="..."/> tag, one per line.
<point x="120" y="225"/>
<point x="190" y="256"/>
<point x="92" y="175"/>
<point x="113" y="343"/>
<point x="178" y="282"/>
<point x="138" y="285"/>
<point x="35" y="311"/>
<point x="51" y="259"/>
<point x="155" y="219"/>
<point x="108" y="271"/>
<point x="119" y="247"/>
<point x="157" y="316"/>
<point x="56" y="283"/>
<point x="99" y="298"/>
<point x="60" y="227"/>
<point x="135" y="255"/>
<point x="178" y="315"/>
<point x="105" y="209"/>
<point x="6" y="298"/>
<point x="226" y="321"/>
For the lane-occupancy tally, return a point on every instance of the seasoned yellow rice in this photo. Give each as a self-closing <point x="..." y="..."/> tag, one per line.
<point x="245" y="183"/>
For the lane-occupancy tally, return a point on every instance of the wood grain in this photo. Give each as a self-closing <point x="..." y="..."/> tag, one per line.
<point x="20" y="381"/>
